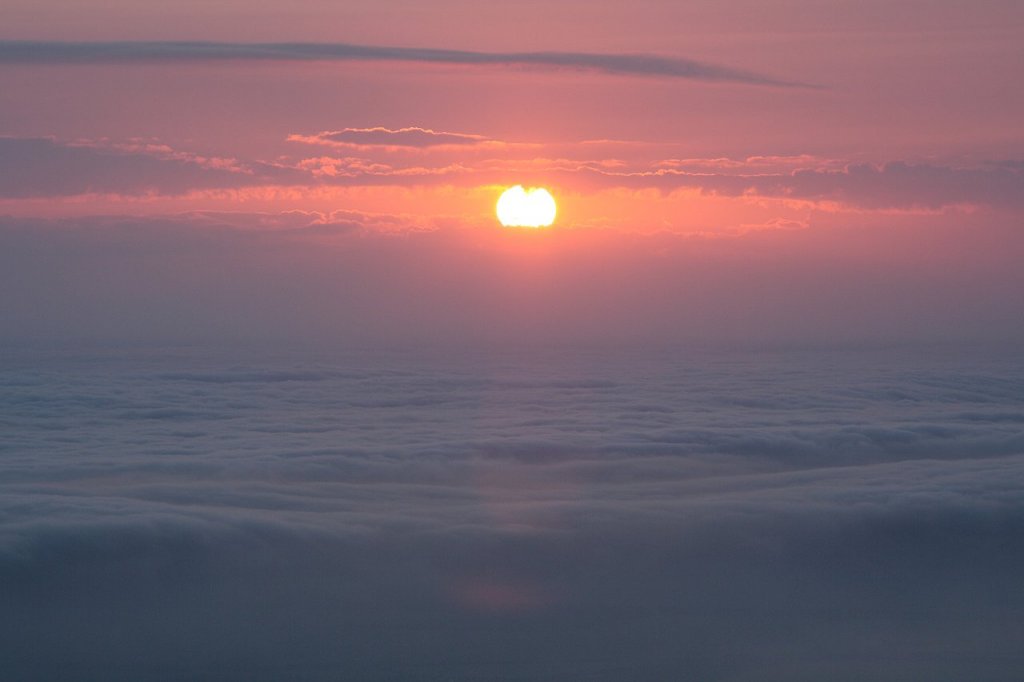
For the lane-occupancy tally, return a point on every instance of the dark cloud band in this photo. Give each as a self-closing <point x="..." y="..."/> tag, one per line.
<point x="35" y="52"/>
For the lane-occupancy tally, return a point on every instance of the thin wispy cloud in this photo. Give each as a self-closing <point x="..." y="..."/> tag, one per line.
<point x="51" y="52"/>
<point x="401" y="138"/>
<point x="895" y="184"/>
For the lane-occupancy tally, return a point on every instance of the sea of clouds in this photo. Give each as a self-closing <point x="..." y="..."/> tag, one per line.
<point x="510" y="515"/>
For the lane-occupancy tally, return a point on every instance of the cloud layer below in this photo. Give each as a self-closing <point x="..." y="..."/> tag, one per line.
<point x="510" y="515"/>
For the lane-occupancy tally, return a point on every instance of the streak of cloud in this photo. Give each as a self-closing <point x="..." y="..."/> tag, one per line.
<point x="895" y="184"/>
<point x="402" y="138"/>
<point x="47" y="52"/>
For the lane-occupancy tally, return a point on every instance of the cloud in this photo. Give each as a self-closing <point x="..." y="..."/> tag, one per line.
<point x="44" y="167"/>
<point x="41" y="52"/>
<point x="895" y="184"/>
<point x="369" y="138"/>
<point x="508" y="514"/>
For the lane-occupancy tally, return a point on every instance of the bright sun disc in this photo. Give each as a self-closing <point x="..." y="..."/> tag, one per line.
<point x="534" y="207"/>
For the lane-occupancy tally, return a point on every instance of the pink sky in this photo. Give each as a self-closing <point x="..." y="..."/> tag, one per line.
<point x="906" y="159"/>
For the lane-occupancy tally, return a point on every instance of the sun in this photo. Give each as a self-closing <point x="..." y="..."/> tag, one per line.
<point x="534" y="207"/>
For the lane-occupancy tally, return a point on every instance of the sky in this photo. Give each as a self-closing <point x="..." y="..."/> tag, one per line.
<point x="281" y="398"/>
<point x="778" y="172"/>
